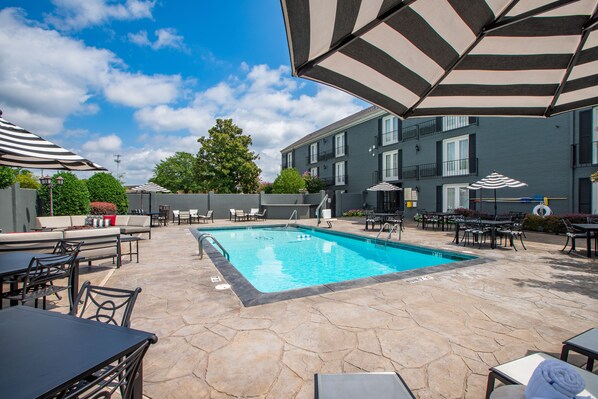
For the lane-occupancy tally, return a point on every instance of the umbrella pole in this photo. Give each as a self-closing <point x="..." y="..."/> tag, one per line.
<point x="495" y="204"/>
<point x="150" y="204"/>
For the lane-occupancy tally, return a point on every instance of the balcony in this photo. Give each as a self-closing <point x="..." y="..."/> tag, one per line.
<point x="459" y="167"/>
<point x="390" y="137"/>
<point x="427" y="128"/>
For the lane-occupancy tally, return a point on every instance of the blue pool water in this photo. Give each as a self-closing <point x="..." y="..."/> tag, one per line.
<point x="277" y="259"/>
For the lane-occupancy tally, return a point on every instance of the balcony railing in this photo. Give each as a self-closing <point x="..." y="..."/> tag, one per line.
<point x="390" y="174"/>
<point x="459" y="167"/>
<point x="341" y="151"/>
<point x="390" y="137"/>
<point x="584" y="156"/>
<point x="340" y="180"/>
<point x="325" y="155"/>
<point x="431" y="127"/>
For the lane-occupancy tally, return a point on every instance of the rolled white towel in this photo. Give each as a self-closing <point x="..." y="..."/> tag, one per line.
<point x="554" y="379"/>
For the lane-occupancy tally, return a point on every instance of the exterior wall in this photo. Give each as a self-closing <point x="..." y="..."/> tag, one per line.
<point x="19" y="209"/>
<point x="540" y="152"/>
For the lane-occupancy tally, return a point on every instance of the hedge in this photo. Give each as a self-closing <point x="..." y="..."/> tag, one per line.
<point x="102" y="208"/>
<point x="553" y="223"/>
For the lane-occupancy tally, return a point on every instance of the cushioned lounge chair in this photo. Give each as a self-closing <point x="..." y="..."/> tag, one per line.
<point x="207" y="216"/>
<point x="520" y="371"/>
<point x="261" y="216"/>
<point x="184" y="216"/>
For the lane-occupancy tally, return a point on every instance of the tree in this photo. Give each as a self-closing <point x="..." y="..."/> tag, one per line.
<point x="71" y="198"/>
<point x="289" y="181"/>
<point x="26" y="180"/>
<point x="313" y="184"/>
<point x="224" y="161"/>
<point x="176" y="173"/>
<point x="7" y="176"/>
<point x="103" y="187"/>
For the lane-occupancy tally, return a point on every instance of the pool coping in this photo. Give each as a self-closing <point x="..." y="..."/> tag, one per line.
<point x="250" y="296"/>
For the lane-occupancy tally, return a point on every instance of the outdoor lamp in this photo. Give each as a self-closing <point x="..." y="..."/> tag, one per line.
<point x="47" y="181"/>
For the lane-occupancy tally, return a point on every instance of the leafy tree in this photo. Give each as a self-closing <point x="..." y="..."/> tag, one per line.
<point x="265" y="187"/>
<point x="7" y="176"/>
<point x="176" y="173"/>
<point x="26" y="180"/>
<point x="224" y="160"/>
<point x="289" y="181"/>
<point x="313" y="184"/>
<point x="103" y="187"/>
<point x="71" y="198"/>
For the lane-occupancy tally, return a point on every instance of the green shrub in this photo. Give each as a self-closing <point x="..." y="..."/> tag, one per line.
<point x="552" y="223"/>
<point x="103" y="187"/>
<point x="102" y="208"/>
<point x="355" y="212"/>
<point x="26" y="180"/>
<point x="313" y="184"/>
<point x="71" y="198"/>
<point x="7" y="176"/>
<point x="289" y="181"/>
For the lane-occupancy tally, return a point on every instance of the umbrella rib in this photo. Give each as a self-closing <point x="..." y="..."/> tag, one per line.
<point x="527" y="15"/>
<point x="456" y="63"/>
<point x="307" y="66"/>
<point x="572" y="62"/>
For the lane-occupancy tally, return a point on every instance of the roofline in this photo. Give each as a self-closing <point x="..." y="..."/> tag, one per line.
<point x="335" y="127"/>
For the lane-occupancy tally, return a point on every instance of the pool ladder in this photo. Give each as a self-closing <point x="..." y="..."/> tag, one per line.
<point x="202" y="237"/>
<point x="291" y="218"/>
<point x="392" y="227"/>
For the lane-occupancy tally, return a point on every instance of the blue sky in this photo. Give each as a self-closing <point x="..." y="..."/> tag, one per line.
<point x="145" y="79"/>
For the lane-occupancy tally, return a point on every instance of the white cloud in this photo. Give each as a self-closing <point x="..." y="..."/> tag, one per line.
<point x="109" y="143"/>
<point x="165" y="37"/>
<point x="137" y="90"/>
<point x="78" y="14"/>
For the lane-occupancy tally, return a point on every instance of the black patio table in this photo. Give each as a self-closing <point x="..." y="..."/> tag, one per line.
<point x="17" y="262"/>
<point x="45" y="352"/>
<point x="493" y="224"/>
<point x="443" y="215"/>
<point x="589" y="228"/>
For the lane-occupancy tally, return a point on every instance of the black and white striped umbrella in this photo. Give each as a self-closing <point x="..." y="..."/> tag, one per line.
<point x="495" y="181"/>
<point x="23" y="149"/>
<point x="449" y="57"/>
<point x="150" y="188"/>
<point x="384" y="186"/>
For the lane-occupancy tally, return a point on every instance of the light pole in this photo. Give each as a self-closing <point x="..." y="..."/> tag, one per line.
<point x="47" y="181"/>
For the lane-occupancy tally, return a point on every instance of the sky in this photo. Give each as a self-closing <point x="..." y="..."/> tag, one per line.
<point x="147" y="78"/>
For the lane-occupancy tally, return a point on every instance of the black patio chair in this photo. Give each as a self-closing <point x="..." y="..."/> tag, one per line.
<point x="64" y="247"/>
<point x="37" y="281"/>
<point x="115" y="380"/>
<point x="572" y="235"/>
<point x="372" y="219"/>
<point x="105" y="304"/>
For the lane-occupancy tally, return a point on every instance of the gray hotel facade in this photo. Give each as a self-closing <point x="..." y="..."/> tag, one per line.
<point x="434" y="159"/>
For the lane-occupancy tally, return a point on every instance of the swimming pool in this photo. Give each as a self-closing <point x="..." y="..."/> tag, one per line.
<point x="275" y="259"/>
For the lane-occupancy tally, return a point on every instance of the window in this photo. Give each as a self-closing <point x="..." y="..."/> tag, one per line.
<point x="314" y="172"/>
<point x="455" y="196"/>
<point x="289" y="160"/>
<point x="313" y="153"/>
<point x="390" y="165"/>
<point x="390" y="130"/>
<point x="454" y="122"/>
<point x="456" y="156"/>
<point x="339" y="145"/>
<point x="339" y="175"/>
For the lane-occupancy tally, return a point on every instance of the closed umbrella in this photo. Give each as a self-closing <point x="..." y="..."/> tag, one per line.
<point x="150" y="188"/>
<point x="495" y="181"/>
<point x="23" y="149"/>
<point x="446" y="57"/>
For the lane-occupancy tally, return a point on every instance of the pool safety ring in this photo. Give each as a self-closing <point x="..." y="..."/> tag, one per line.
<point x="542" y="210"/>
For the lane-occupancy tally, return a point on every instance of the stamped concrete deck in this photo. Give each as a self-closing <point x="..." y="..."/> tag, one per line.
<point x="441" y="332"/>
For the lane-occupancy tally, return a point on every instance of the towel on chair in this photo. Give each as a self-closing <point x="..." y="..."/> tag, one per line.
<point x="554" y="379"/>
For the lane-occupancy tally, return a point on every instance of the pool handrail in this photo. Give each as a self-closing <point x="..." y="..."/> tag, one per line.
<point x="202" y="237"/>
<point x="392" y="227"/>
<point x="320" y="207"/>
<point x="291" y="218"/>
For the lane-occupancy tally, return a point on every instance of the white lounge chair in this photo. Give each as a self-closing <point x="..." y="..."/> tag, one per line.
<point x="207" y="216"/>
<point x="252" y="213"/>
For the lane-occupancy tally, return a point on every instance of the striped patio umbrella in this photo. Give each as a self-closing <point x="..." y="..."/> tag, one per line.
<point x="384" y="186"/>
<point x="495" y="181"/>
<point x="447" y="57"/>
<point x="150" y="188"/>
<point x="23" y="149"/>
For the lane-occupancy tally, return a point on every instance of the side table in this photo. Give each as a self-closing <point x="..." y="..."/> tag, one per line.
<point x="131" y="240"/>
<point x="586" y="344"/>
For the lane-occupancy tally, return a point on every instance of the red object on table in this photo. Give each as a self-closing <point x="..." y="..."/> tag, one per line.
<point x="112" y="219"/>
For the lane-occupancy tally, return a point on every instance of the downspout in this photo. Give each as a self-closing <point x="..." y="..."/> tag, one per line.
<point x="574" y="152"/>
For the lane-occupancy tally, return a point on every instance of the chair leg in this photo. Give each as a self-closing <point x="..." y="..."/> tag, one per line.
<point x="567" y="243"/>
<point x="522" y="244"/>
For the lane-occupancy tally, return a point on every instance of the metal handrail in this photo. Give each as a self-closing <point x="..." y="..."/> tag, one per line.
<point x="202" y="237"/>
<point x="392" y="227"/>
<point x="292" y="214"/>
<point x="320" y="207"/>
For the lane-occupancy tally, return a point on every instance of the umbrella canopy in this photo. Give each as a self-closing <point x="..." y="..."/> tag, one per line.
<point x="443" y="57"/>
<point x="150" y="188"/>
<point x="495" y="181"/>
<point x="384" y="186"/>
<point x="21" y="148"/>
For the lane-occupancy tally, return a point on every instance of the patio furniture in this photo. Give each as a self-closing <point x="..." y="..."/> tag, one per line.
<point x="261" y="216"/>
<point x="35" y="282"/>
<point x="327" y="217"/>
<point x="130" y="240"/>
<point x="208" y="216"/>
<point x="240" y="215"/>
<point x="573" y="234"/>
<point x="13" y="264"/>
<point x="512" y="233"/>
<point x="520" y="371"/>
<point x="252" y="213"/>
<point x="175" y="215"/>
<point x="184" y="216"/>
<point x="232" y="215"/>
<point x="361" y="385"/>
<point x="585" y="344"/>
<point x="193" y="215"/>
<point x="164" y="214"/>
<point x="105" y="304"/>
<point x="64" y="247"/>
<point x="44" y="353"/>
<point x="372" y="219"/>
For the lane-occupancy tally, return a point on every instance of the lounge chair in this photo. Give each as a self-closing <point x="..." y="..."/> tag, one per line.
<point x="232" y="215"/>
<point x="520" y="371"/>
<point x="206" y="217"/>
<point x="252" y="213"/>
<point x="240" y="215"/>
<point x="361" y="385"/>
<point x="175" y="215"/>
<point x="260" y="215"/>
<point x="193" y="215"/>
<point x="184" y="216"/>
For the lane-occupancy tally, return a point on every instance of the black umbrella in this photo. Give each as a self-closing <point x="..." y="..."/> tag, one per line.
<point x="446" y="57"/>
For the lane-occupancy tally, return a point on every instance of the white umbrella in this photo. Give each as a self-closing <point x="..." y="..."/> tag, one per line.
<point x="495" y="181"/>
<point x="447" y="57"/>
